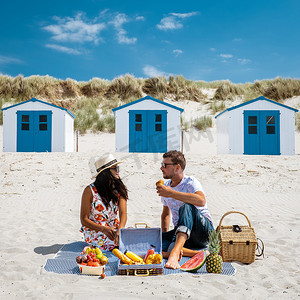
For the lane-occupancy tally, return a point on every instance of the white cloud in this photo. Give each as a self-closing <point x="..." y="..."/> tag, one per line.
<point x="9" y="60"/>
<point x="63" y="49"/>
<point x="186" y="15"/>
<point x="244" y="61"/>
<point x="140" y="18"/>
<point x="118" y="22"/>
<point x="226" y="55"/>
<point x="151" y="71"/>
<point x="174" y="21"/>
<point x="75" y="29"/>
<point x="177" y="52"/>
<point x="213" y="49"/>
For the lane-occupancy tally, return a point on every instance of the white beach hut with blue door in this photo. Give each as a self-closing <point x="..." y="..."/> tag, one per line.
<point x="37" y="126"/>
<point x="259" y="127"/>
<point x="147" y="125"/>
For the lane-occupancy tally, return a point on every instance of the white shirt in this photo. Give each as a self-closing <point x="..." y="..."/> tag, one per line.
<point x="188" y="184"/>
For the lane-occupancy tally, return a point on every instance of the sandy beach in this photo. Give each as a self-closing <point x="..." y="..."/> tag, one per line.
<point x="40" y="199"/>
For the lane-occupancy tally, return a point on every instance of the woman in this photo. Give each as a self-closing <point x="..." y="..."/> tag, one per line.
<point x="101" y="202"/>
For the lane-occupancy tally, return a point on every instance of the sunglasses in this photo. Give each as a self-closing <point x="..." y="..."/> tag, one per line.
<point x="164" y="165"/>
<point x="116" y="168"/>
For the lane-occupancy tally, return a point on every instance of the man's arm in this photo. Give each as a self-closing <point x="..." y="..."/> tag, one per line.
<point x="165" y="219"/>
<point x="196" y="198"/>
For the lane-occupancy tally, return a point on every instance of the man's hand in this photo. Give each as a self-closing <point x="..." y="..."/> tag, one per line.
<point x="164" y="191"/>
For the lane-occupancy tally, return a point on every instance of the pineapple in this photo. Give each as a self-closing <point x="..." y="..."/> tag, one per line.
<point x="214" y="261"/>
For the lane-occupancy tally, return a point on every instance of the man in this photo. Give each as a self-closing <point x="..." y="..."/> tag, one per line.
<point x="182" y="197"/>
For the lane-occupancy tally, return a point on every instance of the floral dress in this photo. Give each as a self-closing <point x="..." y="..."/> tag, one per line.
<point x="100" y="214"/>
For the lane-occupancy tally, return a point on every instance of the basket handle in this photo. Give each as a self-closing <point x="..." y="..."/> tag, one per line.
<point x="145" y="224"/>
<point x="142" y="275"/>
<point x="235" y="212"/>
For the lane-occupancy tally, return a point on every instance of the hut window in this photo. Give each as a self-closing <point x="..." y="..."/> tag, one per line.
<point x="138" y="122"/>
<point x="252" y="129"/>
<point x="138" y="117"/>
<point x="157" y="127"/>
<point x="25" y="118"/>
<point x="43" y="118"/>
<point x="25" y="126"/>
<point x="270" y="129"/>
<point x="25" y="122"/>
<point x="43" y="127"/>
<point x="138" y="127"/>
<point x="270" y="120"/>
<point x="252" y="120"/>
<point x="43" y="123"/>
<point x="158" y="121"/>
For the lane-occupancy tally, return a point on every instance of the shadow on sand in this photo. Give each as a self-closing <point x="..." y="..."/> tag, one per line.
<point x="45" y="250"/>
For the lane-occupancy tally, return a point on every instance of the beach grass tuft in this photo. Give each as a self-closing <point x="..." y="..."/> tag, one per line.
<point x="156" y="87"/>
<point x="202" y="123"/>
<point x="297" y="120"/>
<point x="125" y="87"/>
<point x="217" y="106"/>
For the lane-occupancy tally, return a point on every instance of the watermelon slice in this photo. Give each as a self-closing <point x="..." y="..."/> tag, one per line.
<point x="194" y="263"/>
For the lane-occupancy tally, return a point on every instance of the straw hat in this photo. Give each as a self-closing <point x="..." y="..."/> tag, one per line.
<point x="104" y="162"/>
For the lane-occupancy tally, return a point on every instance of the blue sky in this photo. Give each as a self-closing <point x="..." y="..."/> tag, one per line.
<point x="239" y="40"/>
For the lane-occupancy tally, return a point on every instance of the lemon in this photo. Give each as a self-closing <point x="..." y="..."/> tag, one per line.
<point x="98" y="251"/>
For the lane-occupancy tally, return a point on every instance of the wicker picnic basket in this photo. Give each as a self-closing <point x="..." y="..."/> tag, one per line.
<point x="238" y="243"/>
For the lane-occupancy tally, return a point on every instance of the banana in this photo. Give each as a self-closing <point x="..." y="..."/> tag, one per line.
<point x="134" y="257"/>
<point x="124" y="258"/>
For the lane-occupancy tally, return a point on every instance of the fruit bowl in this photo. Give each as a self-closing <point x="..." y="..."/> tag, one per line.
<point x="88" y="270"/>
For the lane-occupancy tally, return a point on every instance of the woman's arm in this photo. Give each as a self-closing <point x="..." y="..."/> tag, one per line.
<point x="122" y="217"/>
<point x="86" y="200"/>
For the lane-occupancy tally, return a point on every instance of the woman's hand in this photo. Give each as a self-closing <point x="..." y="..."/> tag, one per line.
<point x="110" y="232"/>
<point x="116" y="241"/>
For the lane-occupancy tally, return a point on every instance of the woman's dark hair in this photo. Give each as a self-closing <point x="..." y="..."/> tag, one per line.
<point x="109" y="188"/>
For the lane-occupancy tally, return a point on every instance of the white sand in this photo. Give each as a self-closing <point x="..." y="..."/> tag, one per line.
<point x="39" y="212"/>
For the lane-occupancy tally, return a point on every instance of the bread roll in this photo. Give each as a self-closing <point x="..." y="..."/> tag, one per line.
<point x="160" y="182"/>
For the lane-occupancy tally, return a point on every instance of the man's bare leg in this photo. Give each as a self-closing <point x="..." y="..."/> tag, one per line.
<point x="185" y="252"/>
<point x="167" y="254"/>
<point x="174" y="256"/>
<point x="189" y="252"/>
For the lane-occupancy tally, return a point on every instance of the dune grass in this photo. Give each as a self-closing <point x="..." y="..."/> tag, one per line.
<point x="96" y="87"/>
<point x="156" y="87"/>
<point x="124" y="87"/>
<point x="185" y="125"/>
<point x="297" y="120"/>
<point x="228" y="91"/>
<point x="85" y="98"/>
<point x="202" y="123"/>
<point x="217" y="106"/>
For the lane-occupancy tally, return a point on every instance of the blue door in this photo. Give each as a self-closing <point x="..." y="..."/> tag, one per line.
<point x="147" y="131"/>
<point x="34" y="131"/>
<point x="261" y="132"/>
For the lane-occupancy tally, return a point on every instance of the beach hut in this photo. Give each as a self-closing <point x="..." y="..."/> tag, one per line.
<point x="147" y="125"/>
<point x="37" y="126"/>
<point x="259" y="126"/>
